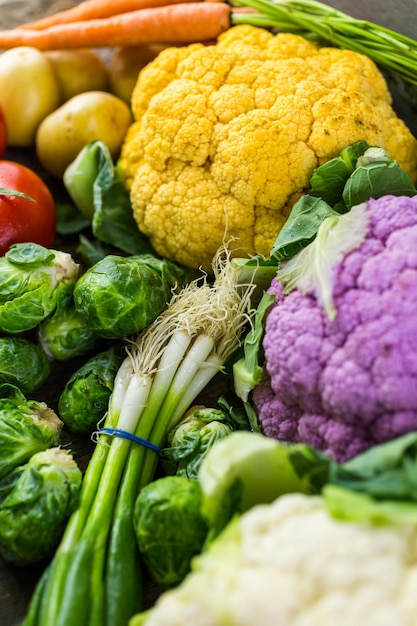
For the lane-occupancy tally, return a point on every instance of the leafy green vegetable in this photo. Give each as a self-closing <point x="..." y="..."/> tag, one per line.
<point x="189" y="442"/>
<point x="169" y="527"/>
<point x="119" y="296"/>
<point x="353" y="506"/>
<point x="26" y="427"/>
<point x="69" y="219"/>
<point x="92" y="250"/>
<point x="35" y="506"/>
<point x="23" y="364"/>
<point x="311" y="269"/>
<point x="376" y="175"/>
<point x="65" y="335"/>
<point x="328" y="181"/>
<point x="385" y="471"/>
<point x="255" y="270"/>
<point x="32" y="281"/>
<point x="97" y="188"/>
<point x="247" y="371"/>
<point x="357" y="174"/>
<point x="84" y="400"/>
<point x="301" y="226"/>
<point x="248" y="468"/>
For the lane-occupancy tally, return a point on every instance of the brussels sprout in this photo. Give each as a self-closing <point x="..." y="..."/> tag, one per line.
<point x="26" y="427"/>
<point x="39" y="501"/>
<point x="120" y="296"/>
<point x="169" y="527"/>
<point x="65" y="335"/>
<point x="23" y="364"/>
<point x="85" y="397"/>
<point x="192" y="438"/>
<point x="32" y="280"/>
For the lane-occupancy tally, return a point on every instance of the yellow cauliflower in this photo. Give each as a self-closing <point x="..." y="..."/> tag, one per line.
<point x="226" y="136"/>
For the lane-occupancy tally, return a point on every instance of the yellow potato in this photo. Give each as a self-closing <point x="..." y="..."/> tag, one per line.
<point x="125" y="65"/>
<point x="78" y="70"/>
<point x="79" y="121"/>
<point x="29" y="91"/>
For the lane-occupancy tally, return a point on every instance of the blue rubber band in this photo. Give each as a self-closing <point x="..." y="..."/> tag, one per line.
<point x="125" y="434"/>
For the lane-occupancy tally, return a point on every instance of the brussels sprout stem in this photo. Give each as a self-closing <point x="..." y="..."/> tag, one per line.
<point x="95" y="576"/>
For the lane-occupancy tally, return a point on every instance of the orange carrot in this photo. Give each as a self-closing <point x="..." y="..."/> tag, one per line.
<point x="177" y="23"/>
<point x="95" y="9"/>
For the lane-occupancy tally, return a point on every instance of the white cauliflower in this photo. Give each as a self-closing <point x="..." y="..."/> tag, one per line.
<point x="290" y="563"/>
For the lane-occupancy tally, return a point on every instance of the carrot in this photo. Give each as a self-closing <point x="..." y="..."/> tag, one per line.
<point x="177" y="23"/>
<point x="95" y="9"/>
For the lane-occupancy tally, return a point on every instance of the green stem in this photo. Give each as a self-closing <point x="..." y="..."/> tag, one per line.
<point x="74" y="609"/>
<point x="93" y="518"/>
<point x="123" y="580"/>
<point x="390" y="50"/>
<point x="198" y="368"/>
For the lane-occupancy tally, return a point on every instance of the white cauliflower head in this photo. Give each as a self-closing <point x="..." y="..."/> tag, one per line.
<point x="291" y="564"/>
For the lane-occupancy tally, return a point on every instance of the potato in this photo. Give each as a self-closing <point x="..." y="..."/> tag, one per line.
<point x="78" y="70"/>
<point x="125" y="65"/>
<point x="29" y="91"/>
<point x="76" y="123"/>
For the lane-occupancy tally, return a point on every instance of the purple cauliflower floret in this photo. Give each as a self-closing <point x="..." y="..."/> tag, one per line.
<point x="345" y="385"/>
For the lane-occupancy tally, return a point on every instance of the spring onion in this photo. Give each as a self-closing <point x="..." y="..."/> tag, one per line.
<point x="94" y="577"/>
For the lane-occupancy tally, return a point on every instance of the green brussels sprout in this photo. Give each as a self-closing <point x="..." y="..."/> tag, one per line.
<point x="36" y="505"/>
<point x="26" y="427"/>
<point x="169" y="527"/>
<point x="119" y="296"/>
<point x="190" y="441"/>
<point x="32" y="280"/>
<point x="23" y="364"/>
<point x="84" y="399"/>
<point x="65" y="335"/>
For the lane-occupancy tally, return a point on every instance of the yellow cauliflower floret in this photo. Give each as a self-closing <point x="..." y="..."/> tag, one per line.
<point x="226" y="137"/>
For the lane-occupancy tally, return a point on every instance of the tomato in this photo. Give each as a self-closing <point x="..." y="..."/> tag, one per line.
<point x="3" y="134"/>
<point x="24" y="219"/>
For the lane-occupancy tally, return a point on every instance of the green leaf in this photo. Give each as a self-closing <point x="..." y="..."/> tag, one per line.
<point x="385" y="471"/>
<point x="98" y="190"/>
<point x="29" y="254"/>
<point x="344" y="504"/>
<point x="247" y="371"/>
<point x="311" y="270"/>
<point x="92" y="251"/>
<point x="329" y="180"/>
<point x="12" y="192"/>
<point x="374" y="180"/>
<point x="301" y="226"/>
<point x="69" y="219"/>
<point x="246" y="469"/>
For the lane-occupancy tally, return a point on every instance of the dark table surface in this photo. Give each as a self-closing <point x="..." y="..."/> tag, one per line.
<point x="17" y="584"/>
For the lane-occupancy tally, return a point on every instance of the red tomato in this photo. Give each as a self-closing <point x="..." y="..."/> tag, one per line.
<point x="22" y="219"/>
<point x="3" y="134"/>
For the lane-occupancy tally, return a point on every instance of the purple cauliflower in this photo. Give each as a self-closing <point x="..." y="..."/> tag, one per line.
<point x="346" y="382"/>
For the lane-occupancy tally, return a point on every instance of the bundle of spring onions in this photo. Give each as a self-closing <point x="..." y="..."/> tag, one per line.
<point x="94" y="578"/>
<point x="101" y="23"/>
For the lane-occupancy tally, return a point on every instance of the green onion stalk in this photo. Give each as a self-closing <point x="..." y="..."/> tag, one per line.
<point x="94" y="578"/>
<point x="390" y="50"/>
